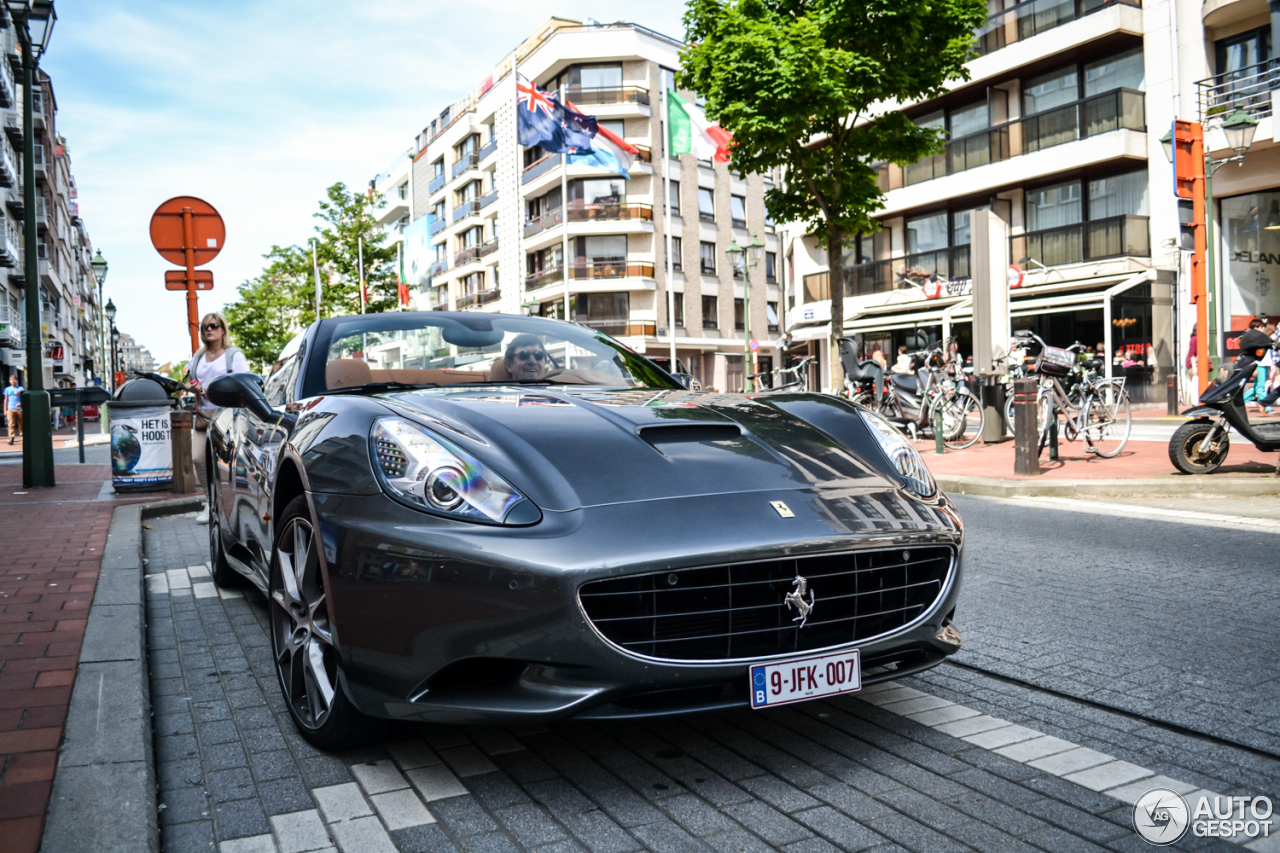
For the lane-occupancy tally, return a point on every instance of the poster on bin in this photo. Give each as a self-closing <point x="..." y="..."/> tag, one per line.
<point x="140" y="452"/>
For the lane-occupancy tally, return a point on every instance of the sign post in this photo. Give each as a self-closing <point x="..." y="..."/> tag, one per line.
<point x="188" y="232"/>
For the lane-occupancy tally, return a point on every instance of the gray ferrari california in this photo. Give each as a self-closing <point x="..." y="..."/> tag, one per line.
<point x="483" y="517"/>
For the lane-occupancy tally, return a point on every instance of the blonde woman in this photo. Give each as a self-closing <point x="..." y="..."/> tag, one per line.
<point x="217" y="357"/>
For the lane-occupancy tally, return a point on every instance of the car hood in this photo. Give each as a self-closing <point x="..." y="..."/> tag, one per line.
<point x="572" y="448"/>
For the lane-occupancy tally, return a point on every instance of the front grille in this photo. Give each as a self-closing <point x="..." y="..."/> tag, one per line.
<point x="739" y="611"/>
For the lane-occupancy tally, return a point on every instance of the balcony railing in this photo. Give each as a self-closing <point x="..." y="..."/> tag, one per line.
<point x="1117" y="236"/>
<point x="467" y="255"/>
<point x="608" y="95"/>
<point x="488" y="199"/>
<point x="871" y="277"/>
<point x="438" y="268"/>
<point x="621" y="328"/>
<point x="1247" y="89"/>
<point x="913" y="270"/>
<point x="479" y="297"/>
<point x="488" y="248"/>
<point x="437" y="183"/>
<point x="8" y="168"/>
<point x="437" y="225"/>
<point x="465" y="209"/>
<point x="487" y="149"/>
<point x="1020" y="21"/>
<point x="1114" y="110"/>
<point x="611" y="269"/>
<point x="537" y="167"/>
<point x="543" y="277"/>
<point x="644" y="153"/>
<point x="611" y="212"/>
<point x="550" y="219"/>
<point x="465" y="162"/>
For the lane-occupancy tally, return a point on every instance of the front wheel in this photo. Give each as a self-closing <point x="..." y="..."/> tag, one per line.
<point x="1190" y="455"/>
<point x="302" y="640"/>
<point x="962" y="420"/>
<point x="1107" y="423"/>
<point x="223" y="575"/>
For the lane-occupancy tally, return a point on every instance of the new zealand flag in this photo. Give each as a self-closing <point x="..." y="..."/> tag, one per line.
<point x="545" y="122"/>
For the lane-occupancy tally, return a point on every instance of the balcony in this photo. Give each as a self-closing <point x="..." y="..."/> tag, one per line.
<point x="607" y="95"/>
<point x="466" y="256"/>
<point x="437" y="225"/>
<point x="13" y="127"/>
<point x="42" y="216"/>
<point x="1248" y="89"/>
<point x="38" y="163"/>
<point x="10" y="246"/>
<point x="7" y="85"/>
<point x="465" y="162"/>
<point x="488" y="248"/>
<point x="467" y="208"/>
<point x="543" y="277"/>
<point x="872" y="277"/>
<point x="621" y="328"/>
<point x="437" y="268"/>
<point x="1114" y="110"/>
<point x="488" y="199"/>
<point x="550" y="219"/>
<point x="8" y="167"/>
<point x="611" y="213"/>
<point x="914" y="270"/>
<point x="437" y="183"/>
<point x="537" y="167"/>
<point x="487" y="149"/>
<point x="1118" y="236"/>
<point x="478" y="298"/>
<point x="1021" y="21"/>
<point x="610" y="269"/>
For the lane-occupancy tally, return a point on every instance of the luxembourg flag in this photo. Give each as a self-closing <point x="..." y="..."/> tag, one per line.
<point x="689" y="132"/>
<point x="608" y="151"/>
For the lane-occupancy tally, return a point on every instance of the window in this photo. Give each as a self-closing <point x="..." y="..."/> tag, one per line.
<point x="771" y="315"/>
<point x="439" y="211"/>
<point x="1125" y="70"/>
<point x="677" y="251"/>
<point x="679" y="297"/>
<point x="673" y="198"/>
<point x="468" y="193"/>
<point x="1049" y="90"/>
<point x="927" y="233"/>
<point x="739" y="315"/>
<point x="616" y="126"/>
<point x="708" y="257"/>
<point x="738" y="210"/>
<point x="1119" y="196"/>
<point x="596" y="76"/>
<point x="966" y="121"/>
<point x="595" y="309"/>
<point x="610" y="249"/>
<point x="466" y="147"/>
<point x="960" y="228"/>
<point x="771" y="267"/>
<point x="706" y="205"/>
<point x="1053" y="207"/>
<point x="437" y="168"/>
<point x="402" y="191"/>
<point x="709" y="318"/>
<point x="472" y="284"/>
<point x="1239" y="52"/>
<point x="470" y="237"/>
<point x="599" y="191"/>
<point x="768" y="219"/>
<point x="1073" y="222"/>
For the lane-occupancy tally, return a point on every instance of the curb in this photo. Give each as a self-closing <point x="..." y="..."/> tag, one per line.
<point x="104" y="790"/>
<point x="1172" y="486"/>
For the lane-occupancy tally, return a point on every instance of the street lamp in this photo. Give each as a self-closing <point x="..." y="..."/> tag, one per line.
<point x="115" y="354"/>
<point x="744" y="260"/>
<point x="33" y="21"/>
<point x="99" y="267"/>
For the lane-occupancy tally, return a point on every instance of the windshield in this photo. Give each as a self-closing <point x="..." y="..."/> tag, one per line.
<point x="437" y="348"/>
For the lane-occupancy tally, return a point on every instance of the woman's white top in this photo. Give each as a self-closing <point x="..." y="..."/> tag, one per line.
<point x="206" y="371"/>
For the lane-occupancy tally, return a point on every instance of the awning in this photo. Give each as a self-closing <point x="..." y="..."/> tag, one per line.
<point x="811" y="333"/>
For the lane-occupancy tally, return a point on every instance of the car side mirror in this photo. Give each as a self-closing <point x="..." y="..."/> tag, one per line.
<point x="240" y="390"/>
<point x="685" y="380"/>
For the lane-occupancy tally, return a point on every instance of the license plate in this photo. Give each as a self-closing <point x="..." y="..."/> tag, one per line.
<point x="805" y="678"/>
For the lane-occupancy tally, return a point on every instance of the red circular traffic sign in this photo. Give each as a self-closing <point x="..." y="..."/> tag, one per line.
<point x="208" y="232"/>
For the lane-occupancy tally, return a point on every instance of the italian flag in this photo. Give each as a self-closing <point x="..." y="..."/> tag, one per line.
<point x="689" y="132"/>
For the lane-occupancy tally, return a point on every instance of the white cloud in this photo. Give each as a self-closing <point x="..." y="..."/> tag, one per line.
<point x="257" y="107"/>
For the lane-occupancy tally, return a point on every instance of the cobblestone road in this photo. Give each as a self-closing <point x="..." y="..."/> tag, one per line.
<point x="892" y="770"/>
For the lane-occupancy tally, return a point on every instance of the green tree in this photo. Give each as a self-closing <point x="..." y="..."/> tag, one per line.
<point x="810" y="86"/>
<point x="280" y="302"/>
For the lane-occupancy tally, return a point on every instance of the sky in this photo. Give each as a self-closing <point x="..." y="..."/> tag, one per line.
<point x="257" y="106"/>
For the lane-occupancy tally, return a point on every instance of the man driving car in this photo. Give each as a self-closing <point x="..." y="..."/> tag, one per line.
<point x="526" y="359"/>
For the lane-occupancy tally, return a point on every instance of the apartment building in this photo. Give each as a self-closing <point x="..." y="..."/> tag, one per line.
<point x="131" y="356"/>
<point x="69" y="299"/>
<point x="489" y="225"/>
<point x="1058" y="131"/>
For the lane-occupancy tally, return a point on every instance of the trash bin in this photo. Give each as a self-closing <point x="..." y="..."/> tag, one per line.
<point x="141" y="458"/>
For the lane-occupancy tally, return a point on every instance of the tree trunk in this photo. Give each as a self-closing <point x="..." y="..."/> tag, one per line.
<point x="835" y="286"/>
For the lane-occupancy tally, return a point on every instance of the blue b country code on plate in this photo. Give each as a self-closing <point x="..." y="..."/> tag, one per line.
<point x="805" y="678"/>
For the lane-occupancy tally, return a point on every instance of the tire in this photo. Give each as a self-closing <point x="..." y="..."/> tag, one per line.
<point x="865" y="399"/>
<point x="1184" y="448"/>
<point x="956" y="415"/>
<point x="1107" y="425"/>
<point x="303" y="642"/>
<point x="223" y="575"/>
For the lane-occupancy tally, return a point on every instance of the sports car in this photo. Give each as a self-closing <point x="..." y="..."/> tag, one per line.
<point x="470" y="517"/>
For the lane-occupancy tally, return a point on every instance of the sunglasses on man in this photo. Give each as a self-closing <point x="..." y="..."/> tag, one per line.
<point x="526" y="354"/>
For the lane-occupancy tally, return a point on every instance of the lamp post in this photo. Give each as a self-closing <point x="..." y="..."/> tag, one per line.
<point x="33" y="21"/>
<point x="99" y="267"/>
<point x="745" y="260"/>
<point x="115" y="355"/>
<point x="110" y="312"/>
<point x="1239" y="128"/>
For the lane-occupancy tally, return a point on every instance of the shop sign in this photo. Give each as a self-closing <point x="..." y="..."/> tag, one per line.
<point x="935" y="288"/>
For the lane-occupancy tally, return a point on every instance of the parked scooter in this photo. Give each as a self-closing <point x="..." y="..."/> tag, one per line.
<point x="1201" y="446"/>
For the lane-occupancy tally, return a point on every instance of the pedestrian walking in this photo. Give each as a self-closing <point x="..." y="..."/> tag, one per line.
<point x="13" y="407"/>
<point x="217" y="357"/>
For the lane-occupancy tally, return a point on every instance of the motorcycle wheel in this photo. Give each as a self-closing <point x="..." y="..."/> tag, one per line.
<point x="1185" y="452"/>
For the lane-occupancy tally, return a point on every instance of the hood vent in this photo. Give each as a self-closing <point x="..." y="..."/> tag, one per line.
<point x="686" y="432"/>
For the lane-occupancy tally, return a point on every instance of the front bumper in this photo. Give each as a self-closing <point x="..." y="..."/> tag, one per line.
<point x="443" y="621"/>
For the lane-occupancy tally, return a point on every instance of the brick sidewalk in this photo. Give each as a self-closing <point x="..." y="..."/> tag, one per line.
<point x="52" y="551"/>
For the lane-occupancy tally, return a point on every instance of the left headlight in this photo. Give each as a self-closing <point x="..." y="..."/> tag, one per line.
<point x="429" y="473"/>
<point x="902" y="454"/>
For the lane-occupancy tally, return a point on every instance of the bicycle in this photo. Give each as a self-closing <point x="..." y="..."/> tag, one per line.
<point x="798" y="371"/>
<point x="915" y="400"/>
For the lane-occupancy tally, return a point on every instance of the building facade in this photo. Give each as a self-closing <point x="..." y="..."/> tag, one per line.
<point x="69" y="299"/>
<point x="516" y="229"/>
<point x="1058" y="131"/>
<point x="131" y="356"/>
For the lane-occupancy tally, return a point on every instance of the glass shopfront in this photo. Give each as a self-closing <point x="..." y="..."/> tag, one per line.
<point x="1251" y="274"/>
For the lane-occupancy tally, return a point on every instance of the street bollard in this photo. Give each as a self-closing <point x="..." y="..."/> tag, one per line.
<point x="938" y="446"/>
<point x="1026" y="458"/>
<point x="1171" y="393"/>
<point x="184" y="473"/>
<point x="993" y="415"/>
<point x="1053" y="429"/>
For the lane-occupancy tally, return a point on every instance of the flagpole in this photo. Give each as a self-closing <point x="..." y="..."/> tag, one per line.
<point x="315" y="265"/>
<point x="564" y="216"/>
<point x="401" y="282"/>
<point x="666" y="201"/>
<point x="360" y="249"/>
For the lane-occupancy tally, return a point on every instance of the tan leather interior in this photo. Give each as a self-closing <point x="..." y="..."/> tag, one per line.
<point x="349" y="372"/>
<point x="498" y="373"/>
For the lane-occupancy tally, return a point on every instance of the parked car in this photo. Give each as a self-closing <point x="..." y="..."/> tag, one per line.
<point x="470" y="517"/>
<point x="91" y="413"/>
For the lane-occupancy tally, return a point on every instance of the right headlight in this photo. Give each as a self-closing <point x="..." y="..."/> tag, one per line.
<point x="430" y="473"/>
<point x="902" y="454"/>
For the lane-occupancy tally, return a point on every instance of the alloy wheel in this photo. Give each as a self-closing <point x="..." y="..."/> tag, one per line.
<point x="302" y="637"/>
